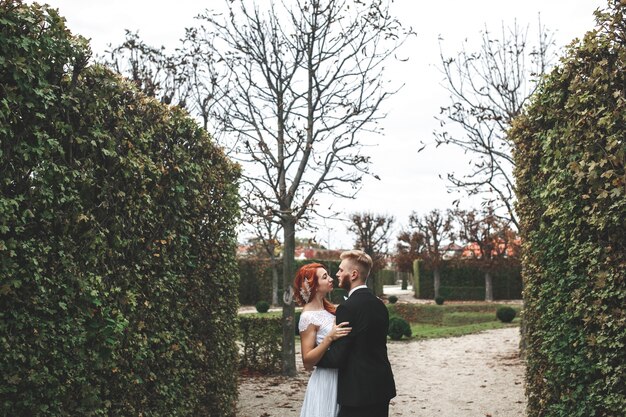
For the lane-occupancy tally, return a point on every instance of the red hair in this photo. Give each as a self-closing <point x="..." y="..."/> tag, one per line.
<point x="307" y="274"/>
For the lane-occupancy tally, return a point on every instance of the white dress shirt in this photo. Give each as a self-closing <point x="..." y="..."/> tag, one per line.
<point x="356" y="288"/>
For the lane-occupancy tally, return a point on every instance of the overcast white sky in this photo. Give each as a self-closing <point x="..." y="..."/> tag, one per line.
<point x="409" y="181"/>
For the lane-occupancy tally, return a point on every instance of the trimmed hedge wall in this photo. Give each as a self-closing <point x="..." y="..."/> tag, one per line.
<point x="255" y="279"/>
<point x="464" y="280"/>
<point x="117" y="245"/>
<point x="570" y="157"/>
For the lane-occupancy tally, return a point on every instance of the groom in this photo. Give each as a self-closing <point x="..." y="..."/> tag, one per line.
<point x="366" y="382"/>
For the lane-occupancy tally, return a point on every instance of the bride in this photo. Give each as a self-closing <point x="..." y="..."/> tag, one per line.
<point x="317" y="331"/>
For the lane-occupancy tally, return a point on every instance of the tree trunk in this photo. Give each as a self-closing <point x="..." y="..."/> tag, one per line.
<point x="488" y="287"/>
<point x="371" y="282"/>
<point x="274" y="283"/>
<point x="405" y="280"/>
<point x="289" y="352"/>
<point x="436" y="281"/>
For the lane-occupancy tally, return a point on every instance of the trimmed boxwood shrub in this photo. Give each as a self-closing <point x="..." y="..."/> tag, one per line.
<point x="262" y="306"/>
<point x="392" y="299"/>
<point x="505" y="314"/>
<point x="398" y="327"/>
<point x="117" y="240"/>
<point x="439" y="300"/>
<point x="570" y="156"/>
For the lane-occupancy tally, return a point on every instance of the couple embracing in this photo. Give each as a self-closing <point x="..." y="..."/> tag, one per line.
<point x="345" y="345"/>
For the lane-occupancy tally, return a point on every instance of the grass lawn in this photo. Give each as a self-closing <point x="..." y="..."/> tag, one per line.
<point x="433" y="321"/>
<point x="432" y="331"/>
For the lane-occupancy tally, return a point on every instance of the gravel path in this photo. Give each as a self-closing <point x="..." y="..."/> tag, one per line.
<point x="476" y="375"/>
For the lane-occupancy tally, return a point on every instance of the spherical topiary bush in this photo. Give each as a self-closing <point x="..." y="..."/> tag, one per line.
<point x="505" y="314"/>
<point x="398" y="327"/>
<point x="439" y="300"/>
<point x="392" y="299"/>
<point x="262" y="306"/>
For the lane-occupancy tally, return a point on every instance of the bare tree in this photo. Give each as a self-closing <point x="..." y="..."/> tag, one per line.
<point x="372" y="237"/>
<point x="409" y="247"/>
<point x="304" y="83"/>
<point x="435" y="228"/>
<point x="492" y="237"/>
<point x="154" y="71"/>
<point x="488" y="88"/>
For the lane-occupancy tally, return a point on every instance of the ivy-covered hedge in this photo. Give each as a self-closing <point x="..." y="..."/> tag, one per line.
<point x="117" y="268"/>
<point x="465" y="280"/>
<point x="570" y="157"/>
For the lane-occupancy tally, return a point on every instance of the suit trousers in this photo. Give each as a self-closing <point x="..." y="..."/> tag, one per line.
<point x="372" y="410"/>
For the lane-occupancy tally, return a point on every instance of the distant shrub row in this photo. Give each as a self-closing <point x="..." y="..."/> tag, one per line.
<point x="465" y="280"/>
<point x="255" y="278"/>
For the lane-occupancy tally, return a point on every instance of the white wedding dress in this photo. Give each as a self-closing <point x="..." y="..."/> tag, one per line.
<point x="320" y="399"/>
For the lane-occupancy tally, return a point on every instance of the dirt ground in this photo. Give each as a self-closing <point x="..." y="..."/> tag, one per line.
<point x="476" y="375"/>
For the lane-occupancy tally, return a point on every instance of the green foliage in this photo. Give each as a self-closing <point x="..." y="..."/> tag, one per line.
<point x="262" y="339"/>
<point x="337" y="296"/>
<point x="465" y="280"/>
<point x="505" y="314"/>
<point x="444" y="314"/>
<point x="570" y="157"/>
<point x="117" y="245"/>
<point x="398" y="327"/>
<point x="255" y="280"/>
<point x="392" y="299"/>
<point x="430" y="321"/>
<point x="296" y="320"/>
<point x="432" y="331"/>
<point x="439" y="300"/>
<point x="262" y="306"/>
<point x="387" y="276"/>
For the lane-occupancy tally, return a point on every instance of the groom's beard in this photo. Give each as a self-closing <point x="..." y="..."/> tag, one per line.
<point x="345" y="284"/>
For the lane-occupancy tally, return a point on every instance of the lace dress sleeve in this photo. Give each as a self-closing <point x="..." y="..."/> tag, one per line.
<point x="306" y="319"/>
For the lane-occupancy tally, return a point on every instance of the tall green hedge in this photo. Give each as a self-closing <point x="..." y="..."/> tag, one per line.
<point x="117" y="245"/>
<point x="570" y="156"/>
<point x="465" y="280"/>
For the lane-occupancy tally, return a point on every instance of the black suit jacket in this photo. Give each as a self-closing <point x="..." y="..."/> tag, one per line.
<point x="365" y="375"/>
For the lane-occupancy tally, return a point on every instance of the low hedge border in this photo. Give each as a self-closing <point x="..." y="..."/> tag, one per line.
<point x="261" y="338"/>
<point x="435" y="314"/>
